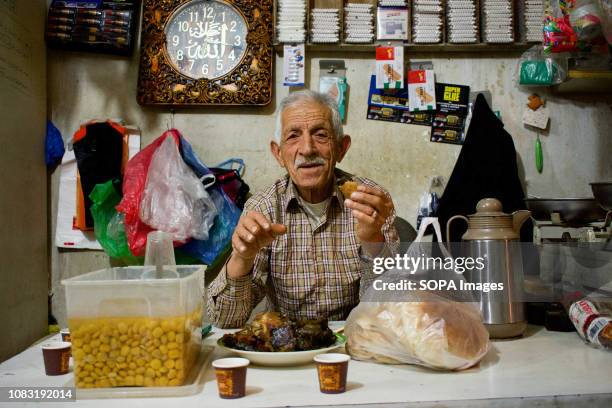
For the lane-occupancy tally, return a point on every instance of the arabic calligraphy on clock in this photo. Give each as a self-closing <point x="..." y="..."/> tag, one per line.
<point x="206" y="39"/>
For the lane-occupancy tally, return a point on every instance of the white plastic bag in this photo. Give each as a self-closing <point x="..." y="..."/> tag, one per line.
<point x="434" y="329"/>
<point x="428" y="203"/>
<point x="174" y="199"/>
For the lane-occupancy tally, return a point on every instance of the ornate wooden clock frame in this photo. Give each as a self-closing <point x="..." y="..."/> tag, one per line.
<point x="249" y="83"/>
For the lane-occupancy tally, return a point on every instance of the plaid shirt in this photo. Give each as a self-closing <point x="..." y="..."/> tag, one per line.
<point x="305" y="273"/>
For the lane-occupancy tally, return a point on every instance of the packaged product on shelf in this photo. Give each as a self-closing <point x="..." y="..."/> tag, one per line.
<point x="588" y="21"/>
<point x="336" y="87"/>
<point x="427" y="21"/>
<point x="461" y="21"/>
<point x="392" y="3"/>
<point x="497" y="21"/>
<point x="358" y="23"/>
<point x="421" y="90"/>
<point x="389" y="67"/>
<point x="451" y="111"/>
<point x="324" y="25"/>
<point x="60" y="19"/>
<point x="391" y="105"/>
<point x="293" y="65"/>
<point x="102" y="26"/>
<point x="62" y="11"/>
<point x="78" y="3"/>
<point x="533" y="17"/>
<point x="592" y="318"/>
<point x="291" y="20"/>
<point x="392" y="23"/>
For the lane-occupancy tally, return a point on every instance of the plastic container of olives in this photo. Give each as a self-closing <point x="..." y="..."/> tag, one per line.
<point x="132" y="327"/>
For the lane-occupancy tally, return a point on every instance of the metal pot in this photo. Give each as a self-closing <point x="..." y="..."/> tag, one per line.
<point x="569" y="211"/>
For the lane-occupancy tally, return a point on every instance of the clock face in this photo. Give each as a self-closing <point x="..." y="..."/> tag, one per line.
<point x="206" y="39"/>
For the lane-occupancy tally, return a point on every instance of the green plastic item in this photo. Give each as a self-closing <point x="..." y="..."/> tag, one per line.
<point x="206" y="330"/>
<point x="539" y="157"/>
<point x="108" y="226"/>
<point x="537" y="72"/>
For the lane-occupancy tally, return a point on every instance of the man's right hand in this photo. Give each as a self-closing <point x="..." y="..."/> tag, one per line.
<point x="253" y="232"/>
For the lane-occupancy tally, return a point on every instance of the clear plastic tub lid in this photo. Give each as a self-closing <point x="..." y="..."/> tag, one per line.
<point x="134" y="274"/>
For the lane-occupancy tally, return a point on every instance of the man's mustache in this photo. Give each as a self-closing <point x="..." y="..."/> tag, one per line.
<point x="301" y="161"/>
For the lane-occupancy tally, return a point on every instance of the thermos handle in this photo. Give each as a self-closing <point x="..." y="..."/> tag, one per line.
<point x="448" y="224"/>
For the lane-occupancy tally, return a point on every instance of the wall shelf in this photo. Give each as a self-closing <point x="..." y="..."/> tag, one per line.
<point x="444" y="48"/>
<point x="409" y="46"/>
<point x="586" y="82"/>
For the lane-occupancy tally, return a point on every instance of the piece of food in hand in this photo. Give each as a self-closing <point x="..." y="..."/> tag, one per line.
<point x="348" y="188"/>
<point x="271" y="331"/>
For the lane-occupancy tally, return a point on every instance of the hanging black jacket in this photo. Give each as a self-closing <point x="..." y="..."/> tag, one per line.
<point x="486" y="167"/>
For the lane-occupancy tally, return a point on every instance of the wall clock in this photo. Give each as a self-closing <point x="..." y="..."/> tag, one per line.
<point x="206" y="52"/>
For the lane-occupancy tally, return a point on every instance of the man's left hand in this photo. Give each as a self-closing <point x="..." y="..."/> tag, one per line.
<point x="371" y="207"/>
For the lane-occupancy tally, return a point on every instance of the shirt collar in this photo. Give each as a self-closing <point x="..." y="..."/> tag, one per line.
<point x="291" y="193"/>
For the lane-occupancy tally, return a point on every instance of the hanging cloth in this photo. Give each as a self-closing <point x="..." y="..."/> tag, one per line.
<point x="101" y="150"/>
<point x="486" y="167"/>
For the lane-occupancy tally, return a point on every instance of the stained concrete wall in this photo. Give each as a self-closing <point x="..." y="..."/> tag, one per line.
<point x="577" y="147"/>
<point x="24" y="265"/>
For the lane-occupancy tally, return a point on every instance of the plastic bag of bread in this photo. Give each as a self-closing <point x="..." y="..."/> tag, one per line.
<point x="434" y="332"/>
<point x="436" y="329"/>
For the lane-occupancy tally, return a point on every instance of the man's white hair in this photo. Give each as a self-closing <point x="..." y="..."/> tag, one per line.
<point x="308" y="95"/>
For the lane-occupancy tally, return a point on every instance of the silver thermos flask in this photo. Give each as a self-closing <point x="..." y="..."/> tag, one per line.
<point x="493" y="236"/>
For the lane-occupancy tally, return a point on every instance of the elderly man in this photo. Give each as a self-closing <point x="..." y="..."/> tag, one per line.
<point x="301" y="243"/>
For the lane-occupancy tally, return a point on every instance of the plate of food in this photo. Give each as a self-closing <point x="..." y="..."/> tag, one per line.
<point x="275" y="340"/>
